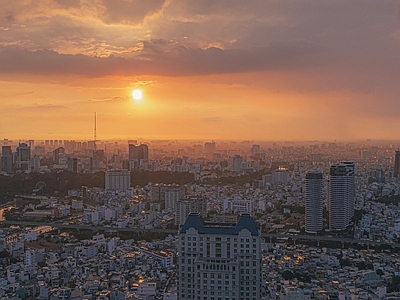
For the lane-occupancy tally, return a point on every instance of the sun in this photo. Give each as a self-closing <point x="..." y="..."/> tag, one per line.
<point x="137" y="95"/>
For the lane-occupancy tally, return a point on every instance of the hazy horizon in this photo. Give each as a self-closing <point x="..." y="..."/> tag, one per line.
<point x="259" y="70"/>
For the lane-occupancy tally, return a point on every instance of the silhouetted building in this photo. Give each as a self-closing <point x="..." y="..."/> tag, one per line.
<point x="23" y="157"/>
<point x="73" y="164"/>
<point x="397" y="164"/>
<point x="138" y="155"/>
<point x="138" y="152"/>
<point x="314" y="201"/>
<point x="6" y="159"/>
<point x="57" y="153"/>
<point x="36" y="163"/>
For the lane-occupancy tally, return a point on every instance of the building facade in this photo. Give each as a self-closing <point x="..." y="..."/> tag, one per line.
<point x="138" y="155"/>
<point x="396" y="164"/>
<point x="341" y="195"/>
<point x="187" y="205"/>
<point x="238" y="206"/>
<point x="118" y="180"/>
<point x="237" y="162"/>
<point x="23" y="157"/>
<point x="280" y="176"/>
<point x="6" y="159"/>
<point x="219" y="261"/>
<point x="314" y="201"/>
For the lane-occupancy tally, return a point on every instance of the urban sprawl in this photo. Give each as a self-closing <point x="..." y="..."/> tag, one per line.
<point x="114" y="220"/>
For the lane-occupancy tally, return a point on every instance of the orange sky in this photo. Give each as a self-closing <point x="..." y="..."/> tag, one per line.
<point x="265" y="70"/>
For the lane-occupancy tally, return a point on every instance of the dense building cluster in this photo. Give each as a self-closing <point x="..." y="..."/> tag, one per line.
<point x="235" y="230"/>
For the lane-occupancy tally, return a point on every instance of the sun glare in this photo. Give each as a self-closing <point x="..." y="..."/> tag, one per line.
<point x="137" y="95"/>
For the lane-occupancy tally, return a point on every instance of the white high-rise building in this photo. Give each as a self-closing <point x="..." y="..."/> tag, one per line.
<point x="314" y="201"/>
<point x="173" y="194"/>
<point x="280" y="176"/>
<point x="219" y="261"/>
<point x="118" y="180"/>
<point x="187" y="205"/>
<point x="341" y="195"/>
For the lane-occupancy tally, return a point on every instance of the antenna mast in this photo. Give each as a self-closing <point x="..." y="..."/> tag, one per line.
<point x="95" y="130"/>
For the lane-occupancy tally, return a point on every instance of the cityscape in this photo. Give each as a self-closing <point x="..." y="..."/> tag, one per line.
<point x="200" y="150"/>
<point x="189" y="219"/>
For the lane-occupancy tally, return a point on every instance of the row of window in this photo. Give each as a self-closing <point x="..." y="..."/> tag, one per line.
<point x="218" y="239"/>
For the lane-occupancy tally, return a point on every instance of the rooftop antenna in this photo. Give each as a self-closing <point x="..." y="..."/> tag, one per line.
<point x="95" y="130"/>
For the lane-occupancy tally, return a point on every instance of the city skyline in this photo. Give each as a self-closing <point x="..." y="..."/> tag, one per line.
<point x="266" y="70"/>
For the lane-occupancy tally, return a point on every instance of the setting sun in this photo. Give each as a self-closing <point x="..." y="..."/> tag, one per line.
<point x="137" y="95"/>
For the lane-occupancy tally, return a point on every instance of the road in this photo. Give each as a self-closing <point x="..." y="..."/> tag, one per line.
<point x="174" y="231"/>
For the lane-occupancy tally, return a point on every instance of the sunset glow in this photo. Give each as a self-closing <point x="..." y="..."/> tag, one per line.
<point x="268" y="70"/>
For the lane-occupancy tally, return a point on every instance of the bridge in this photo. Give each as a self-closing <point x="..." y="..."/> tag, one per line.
<point x="267" y="236"/>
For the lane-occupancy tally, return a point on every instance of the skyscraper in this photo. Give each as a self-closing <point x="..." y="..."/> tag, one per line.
<point x="6" y="159"/>
<point x="219" y="261"/>
<point x="314" y="201"/>
<point x="237" y="162"/>
<point x="341" y="195"/>
<point x="23" y="157"/>
<point x="397" y="164"/>
<point x="138" y="155"/>
<point x="189" y="204"/>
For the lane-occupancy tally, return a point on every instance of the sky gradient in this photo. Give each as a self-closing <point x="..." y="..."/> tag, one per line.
<point x="263" y="70"/>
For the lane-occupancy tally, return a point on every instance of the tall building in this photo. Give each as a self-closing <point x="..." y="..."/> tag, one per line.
<point x="138" y="155"/>
<point x="172" y="195"/>
<point x="36" y="163"/>
<point x="6" y="159"/>
<point x="237" y="162"/>
<point x="23" y="157"/>
<point x="397" y="164"/>
<point x="314" y="201"/>
<point x="219" y="261"/>
<point x="187" y="205"/>
<point x="341" y="195"/>
<point x="118" y="180"/>
<point x="57" y="153"/>
<point x="73" y="164"/>
<point x="280" y="176"/>
<point x="138" y="152"/>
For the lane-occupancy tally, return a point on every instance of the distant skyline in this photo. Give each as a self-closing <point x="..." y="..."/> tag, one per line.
<point x="258" y="70"/>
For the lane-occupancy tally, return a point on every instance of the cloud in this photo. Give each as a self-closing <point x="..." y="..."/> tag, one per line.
<point x="129" y="11"/>
<point x="69" y="3"/>
<point x="165" y="58"/>
<point x="107" y="99"/>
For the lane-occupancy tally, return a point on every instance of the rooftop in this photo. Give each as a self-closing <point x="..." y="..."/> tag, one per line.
<point x="196" y="221"/>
